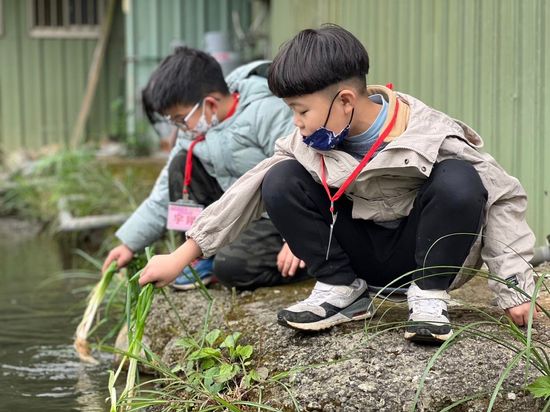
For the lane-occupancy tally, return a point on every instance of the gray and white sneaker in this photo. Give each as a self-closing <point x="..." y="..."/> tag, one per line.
<point x="329" y="305"/>
<point x="428" y="316"/>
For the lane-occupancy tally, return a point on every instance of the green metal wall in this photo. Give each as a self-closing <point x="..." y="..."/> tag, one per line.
<point x="42" y="83"/>
<point x="154" y="26"/>
<point x="485" y="62"/>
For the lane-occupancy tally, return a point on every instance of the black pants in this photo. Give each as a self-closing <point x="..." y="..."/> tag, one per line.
<point x="451" y="200"/>
<point x="251" y="260"/>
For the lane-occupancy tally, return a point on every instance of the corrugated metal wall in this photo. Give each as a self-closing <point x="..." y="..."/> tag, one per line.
<point x="485" y="62"/>
<point x="154" y="26"/>
<point x="42" y="83"/>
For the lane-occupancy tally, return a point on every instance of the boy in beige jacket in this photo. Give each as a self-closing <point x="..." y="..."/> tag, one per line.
<point x="373" y="186"/>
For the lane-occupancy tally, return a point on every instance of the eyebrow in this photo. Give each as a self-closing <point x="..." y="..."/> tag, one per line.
<point x="294" y="104"/>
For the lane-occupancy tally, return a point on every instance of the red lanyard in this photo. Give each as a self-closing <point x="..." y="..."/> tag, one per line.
<point x="361" y="165"/>
<point x="189" y="158"/>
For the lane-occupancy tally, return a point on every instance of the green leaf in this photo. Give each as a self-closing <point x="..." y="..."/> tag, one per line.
<point x="246" y="381"/>
<point x="212" y="336"/>
<point x="227" y="372"/>
<point x="205" y="353"/>
<point x="260" y="374"/>
<point x="211" y="373"/>
<point x="187" y="342"/>
<point x="231" y="340"/>
<point x="208" y="363"/>
<point x="244" y="352"/>
<point x="540" y="388"/>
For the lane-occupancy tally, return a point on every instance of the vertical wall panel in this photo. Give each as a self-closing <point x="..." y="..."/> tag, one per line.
<point x="42" y="83"/>
<point x="156" y="25"/>
<point x="10" y="100"/>
<point x="483" y="61"/>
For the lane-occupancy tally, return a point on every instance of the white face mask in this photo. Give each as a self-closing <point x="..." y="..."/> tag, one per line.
<point x="202" y="125"/>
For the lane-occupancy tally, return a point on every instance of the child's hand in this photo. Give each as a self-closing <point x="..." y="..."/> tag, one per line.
<point x="122" y="254"/>
<point x="161" y="270"/>
<point x="520" y="314"/>
<point x="287" y="263"/>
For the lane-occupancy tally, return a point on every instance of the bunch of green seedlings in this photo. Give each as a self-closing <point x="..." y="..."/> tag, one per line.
<point x="95" y="298"/>
<point x="216" y="371"/>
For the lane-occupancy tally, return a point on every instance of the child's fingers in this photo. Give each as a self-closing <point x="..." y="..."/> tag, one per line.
<point x="107" y="262"/>
<point x="286" y="266"/>
<point x="145" y="276"/>
<point x="294" y="265"/>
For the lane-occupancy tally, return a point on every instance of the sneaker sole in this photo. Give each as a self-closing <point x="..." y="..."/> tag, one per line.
<point x="422" y="334"/>
<point x="188" y="286"/>
<point x="357" y="311"/>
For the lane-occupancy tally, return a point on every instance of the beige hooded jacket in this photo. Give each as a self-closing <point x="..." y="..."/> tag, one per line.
<point x="386" y="188"/>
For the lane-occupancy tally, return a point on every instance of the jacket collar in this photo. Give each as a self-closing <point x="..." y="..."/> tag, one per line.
<point x="402" y="119"/>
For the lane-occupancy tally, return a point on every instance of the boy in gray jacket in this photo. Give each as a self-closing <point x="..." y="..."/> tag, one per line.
<point x="372" y="186"/>
<point x="227" y="126"/>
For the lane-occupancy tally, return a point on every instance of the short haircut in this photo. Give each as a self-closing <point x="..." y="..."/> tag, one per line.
<point x="316" y="59"/>
<point x="147" y="101"/>
<point x="184" y="78"/>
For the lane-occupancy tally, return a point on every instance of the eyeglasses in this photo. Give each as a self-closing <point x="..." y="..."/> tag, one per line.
<point x="182" y="125"/>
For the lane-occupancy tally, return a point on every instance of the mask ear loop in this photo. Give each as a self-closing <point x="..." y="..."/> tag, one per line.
<point x="330" y="108"/>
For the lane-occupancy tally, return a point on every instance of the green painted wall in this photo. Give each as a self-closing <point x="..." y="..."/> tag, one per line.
<point x="154" y="26"/>
<point x="485" y="62"/>
<point x="42" y="83"/>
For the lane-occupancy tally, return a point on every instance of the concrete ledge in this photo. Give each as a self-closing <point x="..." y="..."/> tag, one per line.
<point x="349" y="370"/>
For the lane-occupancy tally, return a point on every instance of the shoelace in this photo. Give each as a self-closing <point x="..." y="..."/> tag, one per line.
<point x="317" y="297"/>
<point x="427" y="305"/>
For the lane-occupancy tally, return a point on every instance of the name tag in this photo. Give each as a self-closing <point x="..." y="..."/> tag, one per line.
<point x="182" y="214"/>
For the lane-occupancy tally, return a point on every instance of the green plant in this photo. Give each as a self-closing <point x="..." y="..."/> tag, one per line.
<point x="92" y="187"/>
<point x="94" y="300"/>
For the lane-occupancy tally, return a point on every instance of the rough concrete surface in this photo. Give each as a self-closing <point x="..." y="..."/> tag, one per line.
<point x="350" y="369"/>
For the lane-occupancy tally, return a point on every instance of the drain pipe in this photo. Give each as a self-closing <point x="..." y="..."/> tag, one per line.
<point x="542" y="253"/>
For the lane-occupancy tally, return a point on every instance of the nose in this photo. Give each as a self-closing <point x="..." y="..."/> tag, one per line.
<point x="297" y="122"/>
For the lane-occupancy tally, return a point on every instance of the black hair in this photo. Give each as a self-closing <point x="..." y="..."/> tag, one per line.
<point x="147" y="101"/>
<point x="184" y="78"/>
<point x="316" y="59"/>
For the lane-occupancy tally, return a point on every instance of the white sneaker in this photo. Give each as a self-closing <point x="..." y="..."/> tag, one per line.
<point x="329" y="305"/>
<point x="428" y="316"/>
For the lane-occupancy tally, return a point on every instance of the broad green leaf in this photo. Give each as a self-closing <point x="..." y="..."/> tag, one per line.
<point x="244" y="352"/>
<point x="208" y="363"/>
<point x="231" y="340"/>
<point x="227" y="372"/>
<point x="260" y="374"/>
<point x="187" y="343"/>
<point x="205" y="353"/>
<point x="212" y="336"/>
<point x="246" y="380"/>
<point x="540" y="388"/>
<point x="211" y="373"/>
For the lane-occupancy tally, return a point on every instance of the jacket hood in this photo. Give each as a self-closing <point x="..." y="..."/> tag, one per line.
<point x="250" y="81"/>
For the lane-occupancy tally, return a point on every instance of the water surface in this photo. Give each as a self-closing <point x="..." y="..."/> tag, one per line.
<point x="39" y="370"/>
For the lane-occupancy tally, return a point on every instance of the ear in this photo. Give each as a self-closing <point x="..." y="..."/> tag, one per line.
<point x="211" y="103"/>
<point x="348" y="97"/>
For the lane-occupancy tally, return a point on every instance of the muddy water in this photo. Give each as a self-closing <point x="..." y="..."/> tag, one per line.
<point x="38" y="367"/>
